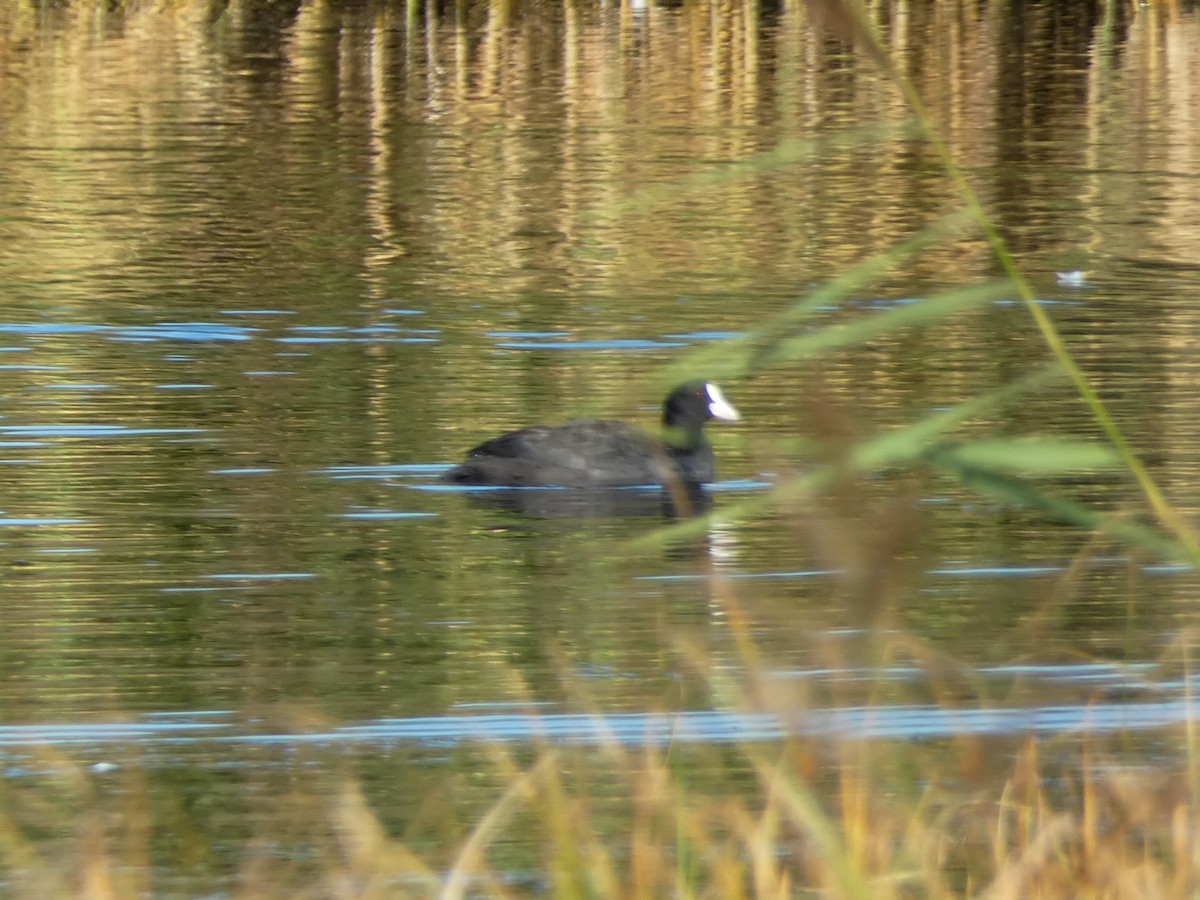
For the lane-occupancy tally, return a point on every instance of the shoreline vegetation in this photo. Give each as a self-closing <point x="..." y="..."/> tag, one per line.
<point x="1022" y="817"/>
<point x="1034" y="816"/>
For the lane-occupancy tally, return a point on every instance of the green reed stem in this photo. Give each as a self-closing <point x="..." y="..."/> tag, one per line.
<point x="1163" y="510"/>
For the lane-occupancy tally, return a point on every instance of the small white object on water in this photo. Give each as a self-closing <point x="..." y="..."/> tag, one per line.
<point x="1077" y="278"/>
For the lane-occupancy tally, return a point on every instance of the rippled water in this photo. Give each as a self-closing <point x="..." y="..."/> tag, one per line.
<point x="265" y="277"/>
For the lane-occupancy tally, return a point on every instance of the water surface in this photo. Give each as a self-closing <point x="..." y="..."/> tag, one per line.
<point x="265" y="276"/>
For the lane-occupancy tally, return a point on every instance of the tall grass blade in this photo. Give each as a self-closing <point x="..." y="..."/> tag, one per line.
<point x="786" y="153"/>
<point x="741" y="356"/>
<point x="471" y="854"/>
<point x="1170" y="518"/>
<point x="797" y="803"/>
<point x="859" y="331"/>
<point x="1020" y="491"/>
<point x="906" y="445"/>
<point x="1032" y="456"/>
<point x="894" y="449"/>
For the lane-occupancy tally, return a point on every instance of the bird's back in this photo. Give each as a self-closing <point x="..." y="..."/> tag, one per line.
<point x="588" y="452"/>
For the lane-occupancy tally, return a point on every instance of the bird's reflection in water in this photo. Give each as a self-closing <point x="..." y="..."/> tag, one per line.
<point x="678" y="501"/>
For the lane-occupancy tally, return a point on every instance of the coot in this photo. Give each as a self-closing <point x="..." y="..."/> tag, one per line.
<point x="598" y="453"/>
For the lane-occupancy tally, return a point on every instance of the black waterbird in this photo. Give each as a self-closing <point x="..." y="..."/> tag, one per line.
<point x="596" y="453"/>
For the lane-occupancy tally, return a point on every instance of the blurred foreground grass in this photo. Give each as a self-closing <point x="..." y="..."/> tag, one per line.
<point x="1014" y="817"/>
<point x="1062" y="816"/>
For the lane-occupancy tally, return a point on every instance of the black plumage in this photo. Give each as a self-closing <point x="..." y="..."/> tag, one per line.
<point x="601" y="453"/>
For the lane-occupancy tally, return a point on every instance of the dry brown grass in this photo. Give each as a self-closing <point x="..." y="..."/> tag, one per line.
<point x="1067" y="816"/>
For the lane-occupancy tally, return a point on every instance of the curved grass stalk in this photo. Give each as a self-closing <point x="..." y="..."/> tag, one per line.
<point x="989" y="466"/>
<point x="780" y="337"/>
<point x="471" y="854"/>
<point x="865" y="33"/>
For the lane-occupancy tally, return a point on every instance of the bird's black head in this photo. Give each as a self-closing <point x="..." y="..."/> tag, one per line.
<point x="690" y="405"/>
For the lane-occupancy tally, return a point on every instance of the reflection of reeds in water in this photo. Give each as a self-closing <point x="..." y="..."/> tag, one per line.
<point x="557" y="135"/>
<point x="565" y="136"/>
